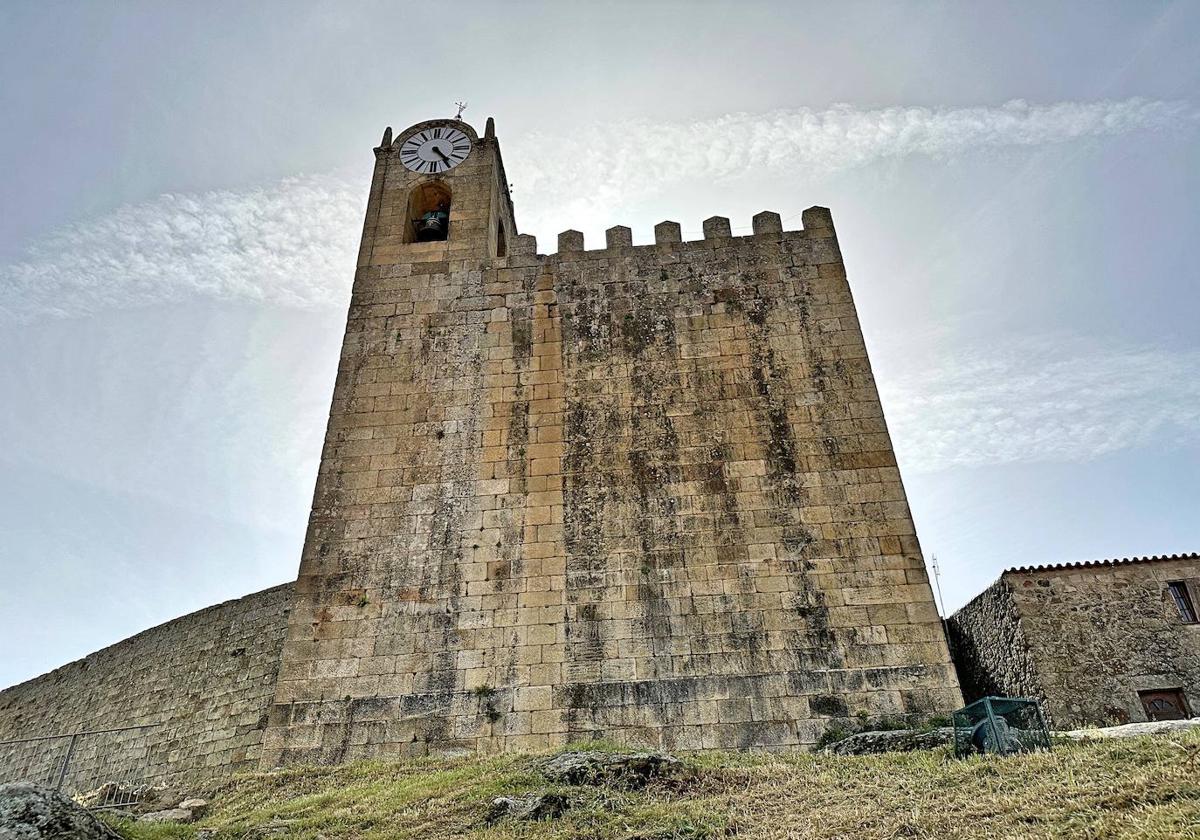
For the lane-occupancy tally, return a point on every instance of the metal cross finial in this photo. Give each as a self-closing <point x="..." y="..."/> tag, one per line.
<point x="462" y="106"/>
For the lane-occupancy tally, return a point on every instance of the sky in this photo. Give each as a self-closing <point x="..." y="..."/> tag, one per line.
<point x="1016" y="189"/>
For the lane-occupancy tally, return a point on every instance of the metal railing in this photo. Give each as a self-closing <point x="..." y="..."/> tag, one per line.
<point x="100" y="768"/>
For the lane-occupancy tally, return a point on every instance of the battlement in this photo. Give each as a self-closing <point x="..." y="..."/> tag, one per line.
<point x="815" y="221"/>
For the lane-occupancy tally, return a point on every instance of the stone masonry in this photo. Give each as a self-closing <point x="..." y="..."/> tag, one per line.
<point x="1083" y="638"/>
<point x="202" y="684"/>
<point x="643" y="492"/>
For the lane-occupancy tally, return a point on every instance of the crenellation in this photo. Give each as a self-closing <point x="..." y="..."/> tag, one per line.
<point x="618" y="236"/>
<point x="570" y="240"/>
<point x="767" y="222"/>
<point x="667" y="232"/>
<point x="717" y="227"/>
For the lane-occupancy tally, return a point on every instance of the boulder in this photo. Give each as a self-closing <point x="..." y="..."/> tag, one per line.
<point x="627" y="770"/>
<point x="33" y="812"/>
<point x="1132" y="730"/>
<point x="169" y="815"/>
<point x="533" y="806"/>
<point x="138" y="798"/>
<point x="894" y="740"/>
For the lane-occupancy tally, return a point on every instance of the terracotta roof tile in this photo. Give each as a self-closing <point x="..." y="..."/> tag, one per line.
<point x="1120" y="561"/>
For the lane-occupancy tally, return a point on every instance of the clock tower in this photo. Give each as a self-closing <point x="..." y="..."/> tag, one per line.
<point x="641" y="492"/>
<point x="438" y="193"/>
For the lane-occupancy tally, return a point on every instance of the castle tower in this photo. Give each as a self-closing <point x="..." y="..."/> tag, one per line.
<point x="642" y="492"/>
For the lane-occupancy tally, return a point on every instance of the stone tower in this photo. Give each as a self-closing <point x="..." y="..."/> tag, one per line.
<point x="642" y="492"/>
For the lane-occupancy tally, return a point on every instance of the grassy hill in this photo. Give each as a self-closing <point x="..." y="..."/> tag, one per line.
<point x="1134" y="788"/>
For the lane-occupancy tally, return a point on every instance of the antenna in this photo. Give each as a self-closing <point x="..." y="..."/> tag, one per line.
<point x="937" y="579"/>
<point x="462" y="106"/>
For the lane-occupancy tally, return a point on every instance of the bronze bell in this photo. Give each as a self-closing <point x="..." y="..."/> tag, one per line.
<point x="432" y="227"/>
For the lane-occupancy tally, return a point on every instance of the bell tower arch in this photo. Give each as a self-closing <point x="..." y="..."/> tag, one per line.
<point x="438" y="193"/>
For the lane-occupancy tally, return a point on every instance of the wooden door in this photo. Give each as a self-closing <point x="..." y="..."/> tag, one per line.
<point x="1168" y="704"/>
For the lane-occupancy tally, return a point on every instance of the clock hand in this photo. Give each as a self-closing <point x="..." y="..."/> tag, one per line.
<point x="441" y="154"/>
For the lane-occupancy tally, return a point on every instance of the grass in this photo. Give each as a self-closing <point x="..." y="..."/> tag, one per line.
<point x="1144" y="788"/>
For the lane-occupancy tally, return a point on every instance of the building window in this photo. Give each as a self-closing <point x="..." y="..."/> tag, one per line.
<point x="1183" y="601"/>
<point x="501" y="240"/>
<point x="1164" y="704"/>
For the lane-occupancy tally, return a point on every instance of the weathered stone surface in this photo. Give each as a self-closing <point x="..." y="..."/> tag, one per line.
<point x="32" y="812"/>
<point x="204" y="680"/>
<point x="169" y="815"/>
<point x="643" y="493"/>
<point x="1083" y="639"/>
<point x="896" y="740"/>
<point x="533" y="806"/>
<point x="628" y="770"/>
<point x="1131" y="730"/>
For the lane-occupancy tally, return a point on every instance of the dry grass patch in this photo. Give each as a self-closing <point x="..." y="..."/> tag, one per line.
<point x="1137" y="788"/>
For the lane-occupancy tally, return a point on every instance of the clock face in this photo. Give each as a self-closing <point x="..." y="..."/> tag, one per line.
<point x="435" y="150"/>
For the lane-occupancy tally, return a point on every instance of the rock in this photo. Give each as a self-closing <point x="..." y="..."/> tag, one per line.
<point x="533" y="806"/>
<point x="137" y="798"/>
<point x="31" y="812"/>
<point x="894" y="740"/>
<point x="169" y="815"/>
<point x="629" y="770"/>
<point x="193" y="804"/>
<point x="1132" y="730"/>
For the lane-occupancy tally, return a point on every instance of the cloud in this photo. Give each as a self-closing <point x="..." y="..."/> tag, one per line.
<point x="614" y="164"/>
<point x="294" y="243"/>
<point x="1042" y="399"/>
<point x="290" y="244"/>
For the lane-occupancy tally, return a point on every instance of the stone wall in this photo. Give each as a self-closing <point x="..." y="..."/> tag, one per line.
<point x="203" y="681"/>
<point x="989" y="647"/>
<point x="645" y="493"/>
<point x="1101" y="634"/>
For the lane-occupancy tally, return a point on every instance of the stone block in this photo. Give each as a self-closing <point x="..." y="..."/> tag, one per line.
<point x="667" y="232"/>
<point x="767" y="222"/>
<point x="570" y="240"/>
<point x="717" y="227"/>
<point x="618" y="237"/>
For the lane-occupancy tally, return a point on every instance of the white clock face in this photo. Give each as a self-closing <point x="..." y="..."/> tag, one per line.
<point x="435" y="150"/>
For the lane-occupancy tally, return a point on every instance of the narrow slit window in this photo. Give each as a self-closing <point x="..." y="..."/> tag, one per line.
<point x="1183" y="601"/>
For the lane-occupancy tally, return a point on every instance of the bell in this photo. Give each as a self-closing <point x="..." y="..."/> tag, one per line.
<point x="431" y="228"/>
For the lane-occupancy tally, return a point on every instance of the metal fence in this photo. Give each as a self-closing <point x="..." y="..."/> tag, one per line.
<point x="101" y="768"/>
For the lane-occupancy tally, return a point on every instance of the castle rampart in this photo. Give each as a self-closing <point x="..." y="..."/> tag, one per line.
<point x="203" y="682"/>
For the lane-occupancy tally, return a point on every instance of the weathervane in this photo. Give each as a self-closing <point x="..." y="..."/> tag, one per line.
<point x="462" y="106"/>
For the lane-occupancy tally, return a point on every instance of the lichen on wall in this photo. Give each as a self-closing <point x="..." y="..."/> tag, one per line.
<point x="990" y="649"/>
<point x="643" y="493"/>
<point x="1084" y="640"/>
<point x="1099" y="635"/>
<point x="203" y="683"/>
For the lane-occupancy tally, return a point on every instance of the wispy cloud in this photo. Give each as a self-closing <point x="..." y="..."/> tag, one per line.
<point x="604" y="166"/>
<point x="1042" y="399"/>
<point x="294" y="243"/>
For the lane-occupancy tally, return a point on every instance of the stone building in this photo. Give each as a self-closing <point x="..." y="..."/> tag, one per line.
<point x="1098" y="643"/>
<point x="640" y="492"/>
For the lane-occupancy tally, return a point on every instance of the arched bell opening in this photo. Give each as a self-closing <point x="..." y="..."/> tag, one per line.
<point x="428" y="213"/>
